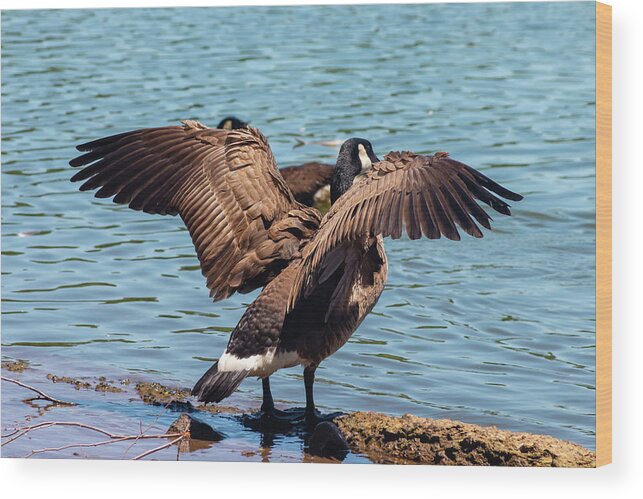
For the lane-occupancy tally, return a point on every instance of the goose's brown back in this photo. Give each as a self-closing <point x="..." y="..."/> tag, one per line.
<point x="307" y="179"/>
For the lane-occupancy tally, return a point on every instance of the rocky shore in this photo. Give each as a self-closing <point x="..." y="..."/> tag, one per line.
<point x="379" y="437"/>
<point x="409" y="439"/>
<point x="412" y="440"/>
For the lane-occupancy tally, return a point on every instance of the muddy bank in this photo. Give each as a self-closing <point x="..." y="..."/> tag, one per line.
<point x="371" y="437"/>
<point x="409" y="439"/>
<point x="177" y="399"/>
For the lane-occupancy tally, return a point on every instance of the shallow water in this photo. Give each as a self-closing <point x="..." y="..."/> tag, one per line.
<point x="123" y="413"/>
<point x="494" y="331"/>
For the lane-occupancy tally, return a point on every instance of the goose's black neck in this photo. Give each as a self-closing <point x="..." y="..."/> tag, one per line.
<point x="346" y="169"/>
<point x="354" y="156"/>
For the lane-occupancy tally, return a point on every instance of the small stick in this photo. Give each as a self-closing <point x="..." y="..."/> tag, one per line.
<point x="69" y="446"/>
<point x="47" y="424"/>
<point x="103" y="442"/>
<point x="23" y="431"/>
<point x="160" y="447"/>
<point x="18" y="430"/>
<point x="42" y="396"/>
<point x="142" y="431"/>
<point x="112" y="437"/>
<point x="40" y="426"/>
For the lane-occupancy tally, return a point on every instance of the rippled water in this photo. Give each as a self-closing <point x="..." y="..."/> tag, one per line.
<point x="493" y="331"/>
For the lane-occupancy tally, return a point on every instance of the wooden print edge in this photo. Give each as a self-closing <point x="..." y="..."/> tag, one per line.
<point x="603" y="234"/>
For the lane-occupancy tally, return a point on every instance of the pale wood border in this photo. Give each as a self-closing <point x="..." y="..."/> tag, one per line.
<point x="603" y="234"/>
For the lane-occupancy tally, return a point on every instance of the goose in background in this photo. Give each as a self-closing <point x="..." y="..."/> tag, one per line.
<point x="309" y="183"/>
<point x="231" y="123"/>
<point x="320" y="276"/>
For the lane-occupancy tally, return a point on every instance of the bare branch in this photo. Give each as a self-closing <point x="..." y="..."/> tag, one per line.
<point x="42" y="395"/>
<point x="112" y="437"/>
<point x="142" y="431"/>
<point x="104" y="442"/>
<point x="29" y="428"/>
<point x="160" y="447"/>
<point x="69" y="446"/>
<point x="24" y="430"/>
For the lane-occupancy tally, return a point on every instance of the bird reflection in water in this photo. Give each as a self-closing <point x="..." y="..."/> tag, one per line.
<point x="309" y="443"/>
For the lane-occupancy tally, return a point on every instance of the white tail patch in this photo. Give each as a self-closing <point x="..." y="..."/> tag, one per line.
<point x="259" y="365"/>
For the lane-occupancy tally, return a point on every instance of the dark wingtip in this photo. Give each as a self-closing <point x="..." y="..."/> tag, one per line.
<point x="77" y="161"/>
<point x="77" y="176"/>
<point x="493" y="186"/>
<point x="503" y="192"/>
<point x="510" y="195"/>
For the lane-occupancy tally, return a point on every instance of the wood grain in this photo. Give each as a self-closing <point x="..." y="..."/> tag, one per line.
<point x="603" y="234"/>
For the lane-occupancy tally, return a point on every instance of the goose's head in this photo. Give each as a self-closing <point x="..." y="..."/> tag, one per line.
<point x="231" y="123"/>
<point x="355" y="157"/>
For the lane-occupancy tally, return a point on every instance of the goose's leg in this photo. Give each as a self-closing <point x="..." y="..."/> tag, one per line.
<point x="268" y="404"/>
<point x="312" y="415"/>
<point x="268" y="411"/>
<point x="309" y="380"/>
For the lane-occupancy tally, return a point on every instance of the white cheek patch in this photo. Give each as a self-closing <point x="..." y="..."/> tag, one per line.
<point x="227" y="125"/>
<point x="364" y="159"/>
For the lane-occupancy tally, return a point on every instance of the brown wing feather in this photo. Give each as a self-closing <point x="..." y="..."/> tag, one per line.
<point x="305" y="180"/>
<point x="244" y="221"/>
<point x="429" y="195"/>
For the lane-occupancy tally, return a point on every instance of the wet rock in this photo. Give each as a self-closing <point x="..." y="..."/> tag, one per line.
<point x="157" y="394"/>
<point x="219" y="409"/>
<point x="409" y="439"/>
<point x="176" y="399"/>
<point x="198" y="430"/>
<point x="77" y="383"/>
<point x="104" y="386"/>
<point x="328" y="441"/>
<point x="15" y="366"/>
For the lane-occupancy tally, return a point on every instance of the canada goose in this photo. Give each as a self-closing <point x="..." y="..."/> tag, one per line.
<point x="320" y="276"/>
<point x="231" y="123"/>
<point x="309" y="182"/>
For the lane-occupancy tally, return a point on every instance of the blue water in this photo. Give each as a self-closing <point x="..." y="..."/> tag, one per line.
<point x="494" y="331"/>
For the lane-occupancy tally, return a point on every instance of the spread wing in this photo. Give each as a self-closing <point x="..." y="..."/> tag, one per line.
<point x="426" y="195"/>
<point x="244" y="221"/>
<point x="305" y="180"/>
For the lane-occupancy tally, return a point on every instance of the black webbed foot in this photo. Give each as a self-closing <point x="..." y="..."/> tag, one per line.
<point x="273" y="419"/>
<point x="313" y="417"/>
<point x="275" y="415"/>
